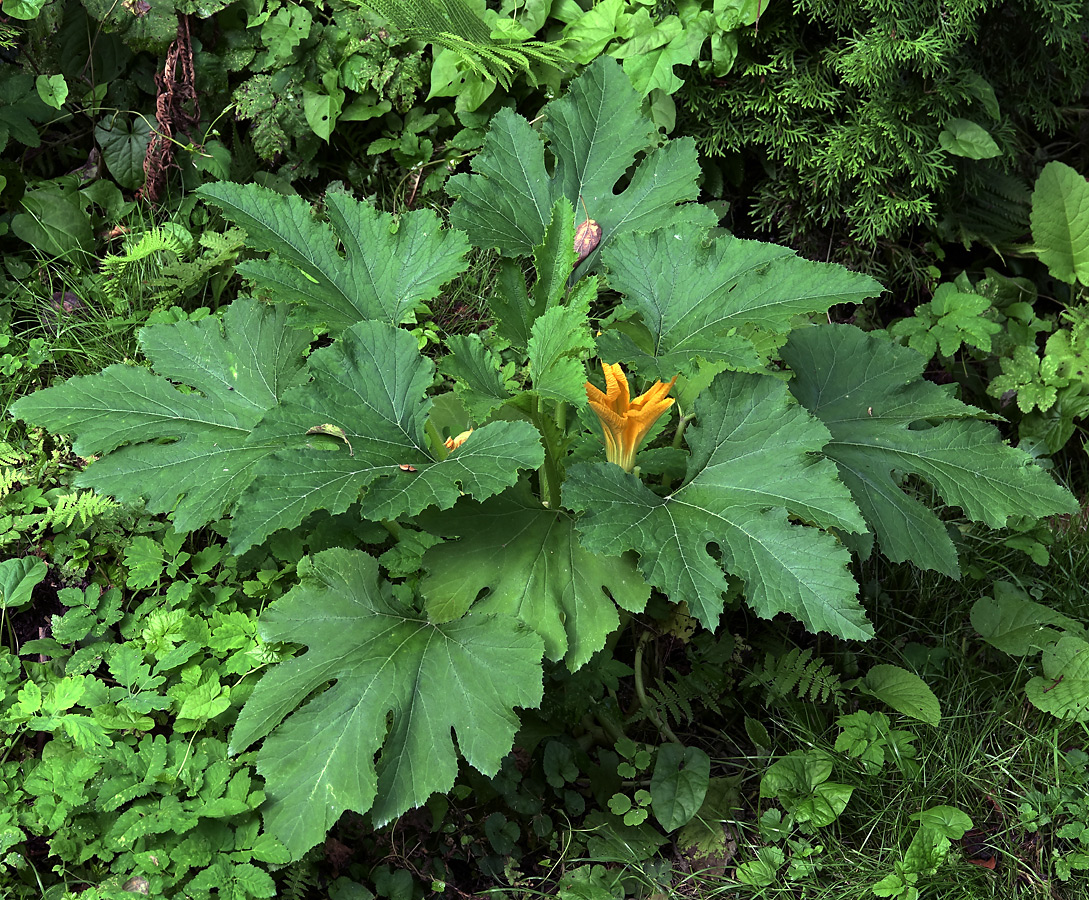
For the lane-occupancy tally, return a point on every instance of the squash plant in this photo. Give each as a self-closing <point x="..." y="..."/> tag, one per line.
<point x="513" y="533"/>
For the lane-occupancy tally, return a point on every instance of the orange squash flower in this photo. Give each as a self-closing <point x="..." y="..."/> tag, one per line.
<point x="452" y="443"/>
<point x="626" y="422"/>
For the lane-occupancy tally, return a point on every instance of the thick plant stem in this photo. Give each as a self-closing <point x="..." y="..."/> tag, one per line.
<point x="678" y="435"/>
<point x="549" y="473"/>
<point x="438" y="445"/>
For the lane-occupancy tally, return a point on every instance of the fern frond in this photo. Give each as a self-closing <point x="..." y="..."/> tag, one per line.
<point x="8" y="479"/>
<point x="9" y="456"/>
<point x="798" y="673"/>
<point x="9" y="36"/>
<point x="670" y="703"/>
<point x="117" y="271"/>
<point x="996" y="211"/>
<point x="681" y="699"/>
<point x="299" y="878"/>
<point x="86" y="505"/>
<point x="221" y="246"/>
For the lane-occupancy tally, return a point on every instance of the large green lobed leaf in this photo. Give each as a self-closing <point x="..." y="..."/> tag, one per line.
<point x="882" y="416"/>
<point x="367" y="400"/>
<point x="701" y="301"/>
<point x="753" y="467"/>
<point x="389" y="269"/>
<point x="530" y="564"/>
<point x="402" y="686"/>
<point x="192" y="453"/>
<point x="594" y="135"/>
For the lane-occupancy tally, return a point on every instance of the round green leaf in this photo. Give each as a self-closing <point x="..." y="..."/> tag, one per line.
<point x="905" y="692"/>
<point x="948" y="821"/>
<point x="679" y="784"/>
<point x="124" y="140"/>
<point x="18" y="578"/>
<point x="22" y="9"/>
<point x="53" y="89"/>
<point x="962" y="137"/>
<point x="322" y="111"/>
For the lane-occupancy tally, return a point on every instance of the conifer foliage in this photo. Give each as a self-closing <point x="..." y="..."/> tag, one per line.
<point x="875" y="116"/>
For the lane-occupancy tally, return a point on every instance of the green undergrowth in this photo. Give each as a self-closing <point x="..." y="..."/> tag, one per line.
<point x="174" y="638"/>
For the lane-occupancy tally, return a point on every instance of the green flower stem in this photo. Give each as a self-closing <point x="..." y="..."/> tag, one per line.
<point x="681" y="426"/>
<point x="438" y="445"/>
<point x="640" y="692"/>
<point x="678" y="435"/>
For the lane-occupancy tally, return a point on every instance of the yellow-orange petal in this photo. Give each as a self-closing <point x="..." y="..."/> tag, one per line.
<point x="452" y="443"/>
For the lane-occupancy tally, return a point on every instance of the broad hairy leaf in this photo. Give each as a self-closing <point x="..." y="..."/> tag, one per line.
<point x="1060" y="222"/>
<point x="559" y="343"/>
<point x="594" y="134"/>
<point x="1016" y="624"/>
<point x="1063" y="689"/>
<point x="390" y="267"/>
<point x="752" y="467"/>
<point x="701" y="301"/>
<point x="871" y="395"/>
<point x="367" y="405"/>
<point x="532" y="566"/>
<point x="554" y="258"/>
<point x="193" y="452"/>
<point x="401" y="685"/>
<point x="514" y="307"/>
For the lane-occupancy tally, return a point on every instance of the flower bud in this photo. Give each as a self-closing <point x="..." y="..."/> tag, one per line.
<point x="587" y="237"/>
